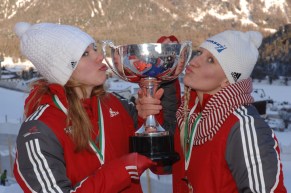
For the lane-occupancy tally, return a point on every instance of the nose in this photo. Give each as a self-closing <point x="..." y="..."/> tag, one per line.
<point x="194" y="61"/>
<point x="100" y="56"/>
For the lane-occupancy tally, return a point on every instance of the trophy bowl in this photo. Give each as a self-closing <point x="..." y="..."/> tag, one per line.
<point x="149" y="65"/>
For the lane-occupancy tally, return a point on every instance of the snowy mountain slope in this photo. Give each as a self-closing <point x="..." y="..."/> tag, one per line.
<point x="138" y="21"/>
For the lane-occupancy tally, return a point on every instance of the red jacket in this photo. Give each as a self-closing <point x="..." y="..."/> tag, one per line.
<point x="243" y="156"/>
<point x="46" y="159"/>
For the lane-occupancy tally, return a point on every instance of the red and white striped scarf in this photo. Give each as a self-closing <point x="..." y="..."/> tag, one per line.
<point x="218" y="108"/>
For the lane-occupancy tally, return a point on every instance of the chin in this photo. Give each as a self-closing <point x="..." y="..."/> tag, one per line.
<point x="101" y="78"/>
<point x="190" y="83"/>
<point x="187" y="80"/>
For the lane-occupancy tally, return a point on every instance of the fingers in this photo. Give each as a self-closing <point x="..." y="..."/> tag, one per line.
<point x="146" y="109"/>
<point x="144" y="100"/>
<point x="140" y="93"/>
<point x="147" y="105"/>
<point x="159" y="93"/>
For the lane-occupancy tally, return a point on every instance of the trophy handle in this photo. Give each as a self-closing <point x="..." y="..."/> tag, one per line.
<point x="184" y="58"/>
<point x="109" y="64"/>
<point x="189" y="45"/>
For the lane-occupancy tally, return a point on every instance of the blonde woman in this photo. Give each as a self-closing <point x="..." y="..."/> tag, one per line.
<point x="227" y="146"/>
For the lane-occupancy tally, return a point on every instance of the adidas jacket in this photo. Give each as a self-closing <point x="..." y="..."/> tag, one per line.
<point x="46" y="160"/>
<point x="239" y="158"/>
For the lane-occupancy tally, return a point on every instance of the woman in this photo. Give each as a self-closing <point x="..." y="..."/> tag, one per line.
<point x="227" y="146"/>
<point x="75" y="136"/>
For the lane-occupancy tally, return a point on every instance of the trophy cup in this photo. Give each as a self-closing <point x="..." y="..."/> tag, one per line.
<point x="150" y="64"/>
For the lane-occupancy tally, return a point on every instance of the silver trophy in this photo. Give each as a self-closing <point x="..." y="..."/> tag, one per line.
<point x="150" y="64"/>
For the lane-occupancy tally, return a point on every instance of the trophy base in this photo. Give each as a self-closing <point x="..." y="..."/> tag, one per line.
<point x="159" y="148"/>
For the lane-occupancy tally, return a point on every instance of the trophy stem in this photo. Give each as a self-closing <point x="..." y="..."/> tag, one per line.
<point x="149" y="87"/>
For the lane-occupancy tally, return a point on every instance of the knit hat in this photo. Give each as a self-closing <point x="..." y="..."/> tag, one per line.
<point x="54" y="49"/>
<point x="236" y="52"/>
<point x="172" y="38"/>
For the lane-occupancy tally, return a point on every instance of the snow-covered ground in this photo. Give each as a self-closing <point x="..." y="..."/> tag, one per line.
<point x="11" y="110"/>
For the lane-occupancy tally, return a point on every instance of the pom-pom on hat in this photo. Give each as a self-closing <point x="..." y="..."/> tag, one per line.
<point x="237" y="52"/>
<point x="54" y="49"/>
<point x="172" y="38"/>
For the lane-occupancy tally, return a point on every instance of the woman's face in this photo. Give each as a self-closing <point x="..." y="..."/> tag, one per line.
<point x="204" y="73"/>
<point x="90" y="70"/>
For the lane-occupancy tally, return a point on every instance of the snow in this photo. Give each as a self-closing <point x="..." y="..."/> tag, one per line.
<point x="277" y="92"/>
<point x="11" y="105"/>
<point x="274" y="3"/>
<point x="13" y="188"/>
<point x="11" y="64"/>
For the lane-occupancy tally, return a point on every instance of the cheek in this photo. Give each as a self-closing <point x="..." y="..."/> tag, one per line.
<point x="215" y="75"/>
<point x="206" y="79"/>
<point x="83" y="71"/>
<point x="208" y="72"/>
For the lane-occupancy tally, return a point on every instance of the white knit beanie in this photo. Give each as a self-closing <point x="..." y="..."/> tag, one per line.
<point x="54" y="49"/>
<point x="236" y="52"/>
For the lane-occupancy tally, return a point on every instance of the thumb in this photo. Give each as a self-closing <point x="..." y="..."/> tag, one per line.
<point x="140" y="93"/>
<point x="159" y="93"/>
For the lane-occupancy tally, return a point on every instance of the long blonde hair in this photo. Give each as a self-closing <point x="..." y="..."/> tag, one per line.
<point x="186" y="113"/>
<point x="77" y="118"/>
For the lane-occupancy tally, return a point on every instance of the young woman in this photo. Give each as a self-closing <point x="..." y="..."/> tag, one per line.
<point x="76" y="136"/>
<point x="227" y="146"/>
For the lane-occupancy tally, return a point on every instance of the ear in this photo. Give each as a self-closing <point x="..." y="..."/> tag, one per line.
<point x="224" y="83"/>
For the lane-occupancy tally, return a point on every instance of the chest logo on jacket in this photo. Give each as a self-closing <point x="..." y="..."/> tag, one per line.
<point x="113" y="113"/>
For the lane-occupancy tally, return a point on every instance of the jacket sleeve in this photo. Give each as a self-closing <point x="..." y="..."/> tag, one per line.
<point x="40" y="166"/>
<point x="253" y="156"/>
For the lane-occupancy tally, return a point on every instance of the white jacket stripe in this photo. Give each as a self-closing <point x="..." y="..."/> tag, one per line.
<point x="47" y="168"/>
<point x="245" y="153"/>
<point x="35" y="166"/>
<point x="37" y="113"/>
<point x="39" y="162"/>
<point x="251" y="151"/>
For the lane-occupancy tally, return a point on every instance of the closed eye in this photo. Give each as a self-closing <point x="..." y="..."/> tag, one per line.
<point x="210" y="60"/>
<point x="86" y="53"/>
<point x="95" y="47"/>
<point x="198" y="53"/>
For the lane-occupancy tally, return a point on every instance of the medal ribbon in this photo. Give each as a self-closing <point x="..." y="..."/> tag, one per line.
<point x="100" y="152"/>
<point x="188" y="139"/>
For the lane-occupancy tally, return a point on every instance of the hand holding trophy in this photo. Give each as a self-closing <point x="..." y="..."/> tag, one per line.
<point x="150" y="64"/>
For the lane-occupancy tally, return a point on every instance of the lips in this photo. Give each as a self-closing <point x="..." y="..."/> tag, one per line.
<point x="103" y="68"/>
<point x="188" y="69"/>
